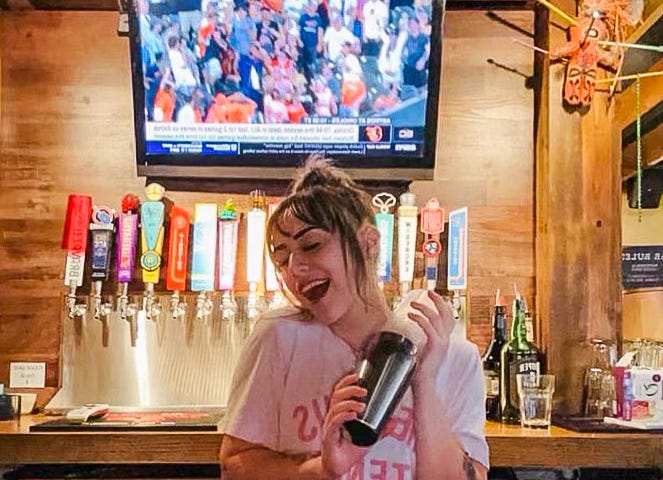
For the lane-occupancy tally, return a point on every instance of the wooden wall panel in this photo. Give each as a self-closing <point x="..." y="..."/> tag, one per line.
<point x="66" y="116"/>
<point x="485" y="155"/>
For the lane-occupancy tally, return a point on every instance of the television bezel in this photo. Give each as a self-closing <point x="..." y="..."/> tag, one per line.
<point x="362" y="167"/>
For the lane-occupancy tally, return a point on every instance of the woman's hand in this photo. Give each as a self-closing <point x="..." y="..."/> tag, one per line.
<point x="437" y="324"/>
<point x="338" y="452"/>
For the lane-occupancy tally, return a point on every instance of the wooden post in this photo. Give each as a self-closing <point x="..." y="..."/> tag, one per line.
<point x="578" y="229"/>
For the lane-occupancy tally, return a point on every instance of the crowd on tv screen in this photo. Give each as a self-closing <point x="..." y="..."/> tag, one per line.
<point x="279" y="61"/>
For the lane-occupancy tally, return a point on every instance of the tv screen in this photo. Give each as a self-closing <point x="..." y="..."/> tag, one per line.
<point x="248" y="88"/>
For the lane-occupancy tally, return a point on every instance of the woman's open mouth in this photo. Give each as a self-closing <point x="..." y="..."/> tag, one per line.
<point x="314" y="291"/>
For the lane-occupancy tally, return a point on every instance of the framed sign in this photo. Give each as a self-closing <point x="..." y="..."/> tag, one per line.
<point x="642" y="266"/>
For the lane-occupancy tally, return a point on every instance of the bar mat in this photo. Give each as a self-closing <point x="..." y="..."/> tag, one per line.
<point x="115" y="471"/>
<point x="138" y="421"/>
<point x="594" y="425"/>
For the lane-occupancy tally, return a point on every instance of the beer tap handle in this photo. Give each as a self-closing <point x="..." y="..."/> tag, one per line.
<point x="203" y="255"/>
<point x="178" y="251"/>
<point x="125" y="257"/>
<point x="384" y="221"/>
<point x="407" y="239"/>
<point x="152" y="233"/>
<point x="74" y="241"/>
<point x="102" y="231"/>
<point x="227" y="259"/>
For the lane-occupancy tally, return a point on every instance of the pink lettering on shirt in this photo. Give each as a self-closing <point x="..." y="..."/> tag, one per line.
<point x="306" y="433"/>
<point x="401" y="424"/>
<point x="310" y="418"/>
<point x="378" y="469"/>
<point x="401" y="468"/>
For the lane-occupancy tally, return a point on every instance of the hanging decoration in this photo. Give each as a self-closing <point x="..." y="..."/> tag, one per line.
<point x="596" y="39"/>
<point x="594" y="36"/>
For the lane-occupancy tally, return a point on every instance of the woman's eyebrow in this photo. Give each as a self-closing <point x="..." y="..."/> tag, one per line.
<point x="303" y="232"/>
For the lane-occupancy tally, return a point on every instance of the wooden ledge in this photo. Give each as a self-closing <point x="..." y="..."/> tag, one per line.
<point x="509" y="446"/>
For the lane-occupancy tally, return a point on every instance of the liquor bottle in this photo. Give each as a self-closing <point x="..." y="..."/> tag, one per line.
<point x="529" y="324"/>
<point x="518" y="356"/>
<point x="492" y="359"/>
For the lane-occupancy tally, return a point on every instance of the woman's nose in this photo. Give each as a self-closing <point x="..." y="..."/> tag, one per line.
<point x="297" y="264"/>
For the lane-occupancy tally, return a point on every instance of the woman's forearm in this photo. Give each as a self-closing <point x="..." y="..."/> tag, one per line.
<point x="265" y="464"/>
<point x="434" y="435"/>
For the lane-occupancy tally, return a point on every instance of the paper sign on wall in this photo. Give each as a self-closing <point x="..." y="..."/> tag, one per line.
<point x="457" y="251"/>
<point x="27" y="375"/>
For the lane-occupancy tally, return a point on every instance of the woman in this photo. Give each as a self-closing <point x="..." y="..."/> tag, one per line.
<point x="292" y="390"/>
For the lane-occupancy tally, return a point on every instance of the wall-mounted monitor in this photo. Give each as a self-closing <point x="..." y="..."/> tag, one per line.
<point x="249" y="88"/>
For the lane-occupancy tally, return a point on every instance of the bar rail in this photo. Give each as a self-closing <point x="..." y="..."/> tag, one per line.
<point x="510" y="446"/>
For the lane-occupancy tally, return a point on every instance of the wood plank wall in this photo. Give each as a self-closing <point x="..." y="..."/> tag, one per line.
<point x="67" y="127"/>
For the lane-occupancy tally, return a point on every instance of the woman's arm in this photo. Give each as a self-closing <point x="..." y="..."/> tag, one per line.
<point x="436" y="414"/>
<point x="434" y="437"/>
<point x="242" y="460"/>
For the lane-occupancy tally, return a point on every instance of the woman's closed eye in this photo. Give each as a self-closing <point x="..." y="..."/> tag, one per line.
<point x="309" y="247"/>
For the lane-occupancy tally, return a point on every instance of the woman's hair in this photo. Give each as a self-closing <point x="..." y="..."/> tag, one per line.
<point x="326" y="197"/>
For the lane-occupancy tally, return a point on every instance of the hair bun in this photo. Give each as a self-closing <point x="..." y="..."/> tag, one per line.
<point x="319" y="171"/>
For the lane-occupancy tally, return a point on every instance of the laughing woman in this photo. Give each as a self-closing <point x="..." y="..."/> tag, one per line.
<point x="293" y="390"/>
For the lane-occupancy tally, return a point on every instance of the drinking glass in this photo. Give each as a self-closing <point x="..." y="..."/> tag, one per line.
<point x="599" y="390"/>
<point x="535" y="394"/>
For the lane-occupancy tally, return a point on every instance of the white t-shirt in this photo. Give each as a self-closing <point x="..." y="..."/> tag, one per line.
<point x="287" y="370"/>
<point x="335" y="39"/>
<point x="376" y="17"/>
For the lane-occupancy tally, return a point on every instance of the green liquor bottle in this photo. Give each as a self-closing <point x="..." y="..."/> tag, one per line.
<point x="518" y="356"/>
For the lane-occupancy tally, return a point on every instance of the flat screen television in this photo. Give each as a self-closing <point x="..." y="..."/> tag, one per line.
<point x="250" y="88"/>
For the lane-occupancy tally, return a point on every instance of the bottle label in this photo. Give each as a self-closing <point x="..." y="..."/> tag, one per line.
<point x="527" y="364"/>
<point x="492" y="381"/>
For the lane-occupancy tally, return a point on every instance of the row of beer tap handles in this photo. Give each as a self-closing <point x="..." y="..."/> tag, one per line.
<point x="213" y="251"/>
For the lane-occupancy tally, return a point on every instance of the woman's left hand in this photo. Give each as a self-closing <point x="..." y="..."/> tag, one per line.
<point x="437" y="324"/>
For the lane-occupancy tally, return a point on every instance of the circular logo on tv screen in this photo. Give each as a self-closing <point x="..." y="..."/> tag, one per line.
<point x="374" y="133"/>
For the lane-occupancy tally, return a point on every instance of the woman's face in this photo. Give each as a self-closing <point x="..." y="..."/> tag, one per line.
<point x="311" y="262"/>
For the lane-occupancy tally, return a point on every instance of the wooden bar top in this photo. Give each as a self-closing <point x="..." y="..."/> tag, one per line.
<point x="509" y="446"/>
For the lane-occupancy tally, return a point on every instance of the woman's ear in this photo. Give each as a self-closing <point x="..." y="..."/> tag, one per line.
<point x="369" y="240"/>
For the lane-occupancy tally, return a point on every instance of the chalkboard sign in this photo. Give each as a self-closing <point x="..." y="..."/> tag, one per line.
<point x="642" y="267"/>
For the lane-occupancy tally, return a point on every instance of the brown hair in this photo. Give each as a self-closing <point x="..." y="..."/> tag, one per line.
<point x="326" y="197"/>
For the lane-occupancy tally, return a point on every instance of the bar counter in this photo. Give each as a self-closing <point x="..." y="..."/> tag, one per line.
<point x="509" y="446"/>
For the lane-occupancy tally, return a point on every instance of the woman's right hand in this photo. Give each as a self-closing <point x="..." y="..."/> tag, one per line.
<point x="338" y="452"/>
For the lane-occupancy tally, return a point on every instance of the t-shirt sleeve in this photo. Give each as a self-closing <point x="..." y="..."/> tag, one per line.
<point x="462" y="386"/>
<point x="257" y="387"/>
